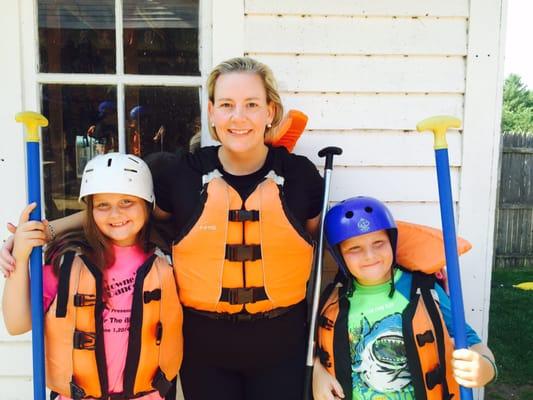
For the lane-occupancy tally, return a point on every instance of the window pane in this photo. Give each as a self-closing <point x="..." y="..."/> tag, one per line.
<point x="77" y="36"/>
<point x="161" y="118"/>
<point x="161" y="37"/>
<point x="83" y="123"/>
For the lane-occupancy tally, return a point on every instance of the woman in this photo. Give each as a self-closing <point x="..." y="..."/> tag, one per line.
<point x="243" y="215"/>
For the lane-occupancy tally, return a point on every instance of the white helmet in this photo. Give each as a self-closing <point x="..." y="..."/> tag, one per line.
<point x="117" y="173"/>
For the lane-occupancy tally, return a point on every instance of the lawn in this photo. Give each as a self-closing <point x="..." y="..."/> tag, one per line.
<point x="511" y="335"/>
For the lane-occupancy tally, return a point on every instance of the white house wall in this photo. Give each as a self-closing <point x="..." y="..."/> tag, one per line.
<point x="365" y="72"/>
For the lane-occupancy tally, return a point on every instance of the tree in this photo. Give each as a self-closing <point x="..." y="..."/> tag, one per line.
<point x="517" y="115"/>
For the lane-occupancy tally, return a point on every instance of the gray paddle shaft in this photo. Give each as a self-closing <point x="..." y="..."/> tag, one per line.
<point x="327" y="152"/>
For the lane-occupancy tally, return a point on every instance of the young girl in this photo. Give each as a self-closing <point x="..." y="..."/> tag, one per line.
<point x="113" y="317"/>
<point x="385" y="332"/>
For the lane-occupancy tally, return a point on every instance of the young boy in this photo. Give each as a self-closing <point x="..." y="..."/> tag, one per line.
<point x="384" y="332"/>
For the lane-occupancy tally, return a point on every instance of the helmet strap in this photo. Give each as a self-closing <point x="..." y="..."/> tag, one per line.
<point x="392" y="286"/>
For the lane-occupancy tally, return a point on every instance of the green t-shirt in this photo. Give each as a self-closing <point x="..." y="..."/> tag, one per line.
<point x="379" y="360"/>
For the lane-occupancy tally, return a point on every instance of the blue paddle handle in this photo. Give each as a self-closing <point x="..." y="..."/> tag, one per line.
<point x="36" y="274"/>
<point x="452" y="257"/>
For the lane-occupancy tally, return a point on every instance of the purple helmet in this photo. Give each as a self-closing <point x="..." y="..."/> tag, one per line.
<point x="357" y="216"/>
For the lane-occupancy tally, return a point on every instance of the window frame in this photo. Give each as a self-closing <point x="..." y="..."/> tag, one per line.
<point x="33" y="79"/>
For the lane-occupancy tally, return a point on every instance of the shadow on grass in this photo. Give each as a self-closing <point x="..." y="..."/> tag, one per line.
<point x="511" y="335"/>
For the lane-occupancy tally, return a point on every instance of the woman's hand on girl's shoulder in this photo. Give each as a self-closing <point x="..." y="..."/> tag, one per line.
<point x="7" y="262"/>
<point x="28" y="235"/>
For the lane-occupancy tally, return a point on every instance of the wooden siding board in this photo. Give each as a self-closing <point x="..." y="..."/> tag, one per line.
<point x="392" y="148"/>
<point x="328" y="35"/>
<point x="420" y="74"/>
<point x="406" y="184"/>
<point x="455" y="8"/>
<point x="16" y="388"/>
<point x="371" y="111"/>
<point x="482" y="114"/>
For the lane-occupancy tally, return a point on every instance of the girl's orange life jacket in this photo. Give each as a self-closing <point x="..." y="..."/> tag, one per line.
<point x="240" y="256"/>
<point x="427" y="341"/>
<point x="75" y="358"/>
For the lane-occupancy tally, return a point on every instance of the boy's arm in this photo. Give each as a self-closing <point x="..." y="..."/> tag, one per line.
<point x="16" y="305"/>
<point x="474" y="367"/>
<point x="472" y="337"/>
<point x="325" y="386"/>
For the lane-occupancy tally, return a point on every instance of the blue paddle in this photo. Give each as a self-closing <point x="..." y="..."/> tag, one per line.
<point x="439" y="125"/>
<point x="33" y="121"/>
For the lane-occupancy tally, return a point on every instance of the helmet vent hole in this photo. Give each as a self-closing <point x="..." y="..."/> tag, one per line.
<point x="109" y="161"/>
<point x="369" y="209"/>
<point x="130" y="170"/>
<point x="349" y="214"/>
<point x="134" y="160"/>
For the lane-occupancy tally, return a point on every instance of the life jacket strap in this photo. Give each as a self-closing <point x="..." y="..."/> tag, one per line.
<point x="244" y="316"/>
<point x="243" y="215"/>
<point x="243" y="252"/>
<point x="84" y="340"/>
<point x="325" y="322"/>
<point x="84" y="300"/>
<point x="324" y="357"/>
<point x="161" y="383"/>
<point x="76" y="392"/>
<point x="243" y="295"/>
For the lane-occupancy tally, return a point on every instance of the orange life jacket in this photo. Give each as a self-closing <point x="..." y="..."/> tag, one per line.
<point x="237" y="256"/>
<point x="75" y="358"/>
<point x="427" y="341"/>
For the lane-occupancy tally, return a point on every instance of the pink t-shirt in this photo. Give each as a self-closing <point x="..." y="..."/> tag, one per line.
<point x="118" y="281"/>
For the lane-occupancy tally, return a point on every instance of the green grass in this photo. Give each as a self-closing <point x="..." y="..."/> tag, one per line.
<point x="511" y="334"/>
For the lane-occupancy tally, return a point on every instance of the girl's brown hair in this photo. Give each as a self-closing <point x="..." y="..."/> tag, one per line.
<point x="92" y="243"/>
<point x="249" y="65"/>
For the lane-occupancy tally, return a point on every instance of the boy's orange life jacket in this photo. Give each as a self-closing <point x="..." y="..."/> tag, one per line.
<point x="75" y="357"/>
<point x="428" y="344"/>
<point x="240" y="256"/>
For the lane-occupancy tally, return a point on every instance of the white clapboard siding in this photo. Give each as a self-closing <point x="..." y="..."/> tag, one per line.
<point x="390" y="183"/>
<point x="347" y="35"/>
<point x="449" y="8"/>
<point x="360" y="73"/>
<point x="378" y="148"/>
<point x="16" y="388"/>
<point x="16" y="359"/>
<point x="371" y="111"/>
<point x="426" y="213"/>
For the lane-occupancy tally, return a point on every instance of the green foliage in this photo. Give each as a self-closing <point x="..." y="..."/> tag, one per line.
<point x="517" y="115"/>
<point x="510" y="326"/>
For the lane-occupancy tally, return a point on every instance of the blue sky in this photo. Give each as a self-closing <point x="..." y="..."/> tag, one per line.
<point x="519" y="40"/>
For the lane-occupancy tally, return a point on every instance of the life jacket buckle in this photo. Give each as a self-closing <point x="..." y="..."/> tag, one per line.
<point x="426" y="337"/>
<point x="154" y="295"/>
<point x="84" y="340"/>
<point x="76" y="392"/>
<point x="243" y="215"/>
<point x="84" y="300"/>
<point x="325" y="322"/>
<point x="243" y="252"/>
<point x="434" y="377"/>
<point x="241" y="296"/>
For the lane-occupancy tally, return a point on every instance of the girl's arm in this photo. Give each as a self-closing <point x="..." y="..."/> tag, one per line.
<point x="16" y="307"/>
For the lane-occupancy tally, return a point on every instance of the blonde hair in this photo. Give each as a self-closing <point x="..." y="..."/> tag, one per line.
<point x="249" y="65"/>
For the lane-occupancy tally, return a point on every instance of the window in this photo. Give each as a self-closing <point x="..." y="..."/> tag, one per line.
<point x="114" y="75"/>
